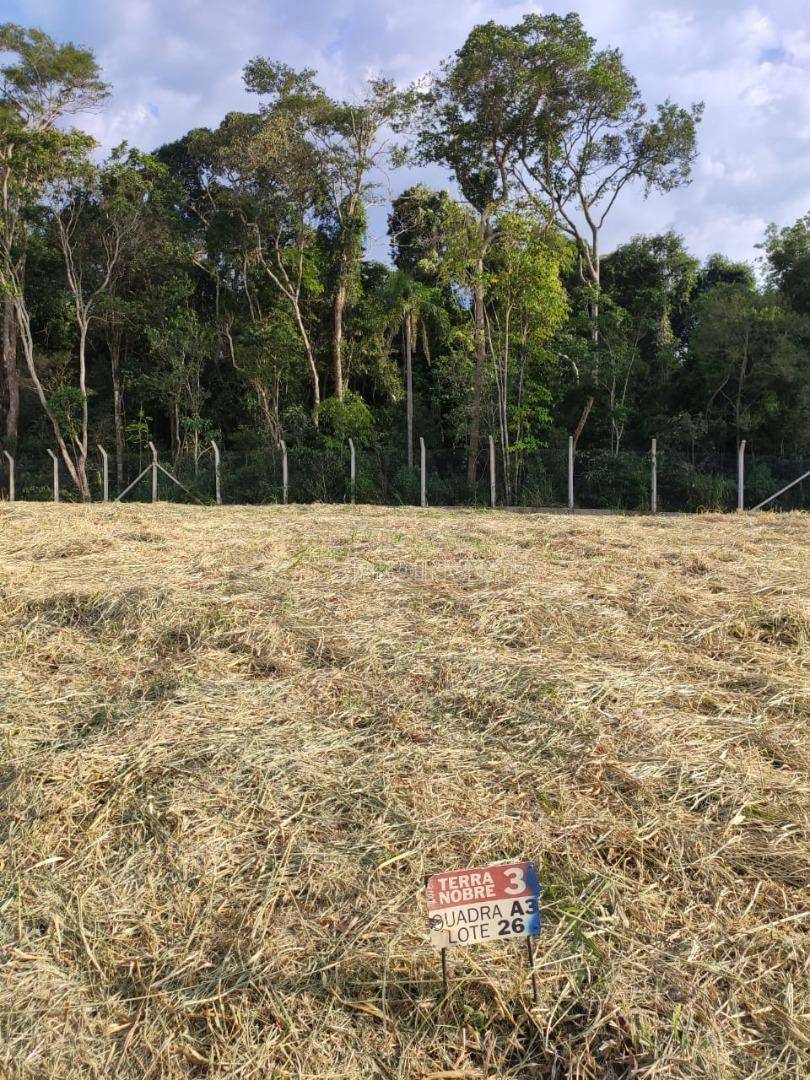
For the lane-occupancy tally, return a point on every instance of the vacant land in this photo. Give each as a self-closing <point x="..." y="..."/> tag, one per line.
<point x="233" y="741"/>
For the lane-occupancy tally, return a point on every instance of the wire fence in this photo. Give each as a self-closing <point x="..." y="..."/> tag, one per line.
<point x="620" y="482"/>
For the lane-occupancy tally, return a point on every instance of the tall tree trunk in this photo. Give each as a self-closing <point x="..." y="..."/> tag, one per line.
<point x="114" y="343"/>
<point x="12" y="373"/>
<point x="337" y="334"/>
<point x="503" y="424"/>
<point x="83" y="441"/>
<point x="316" y="385"/>
<point x="586" y="412"/>
<point x="596" y="273"/>
<point x="175" y="432"/>
<point x="478" y="378"/>
<point x="409" y="384"/>
<point x="269" y="410"/>
<point x="26" y="339"/>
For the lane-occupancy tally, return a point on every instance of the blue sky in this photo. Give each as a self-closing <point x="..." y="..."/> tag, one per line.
<point x="176" y="64"/>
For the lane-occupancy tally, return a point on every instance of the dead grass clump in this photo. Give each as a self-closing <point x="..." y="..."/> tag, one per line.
<point x="232" y="744"/>
<point x="781" y="627"/>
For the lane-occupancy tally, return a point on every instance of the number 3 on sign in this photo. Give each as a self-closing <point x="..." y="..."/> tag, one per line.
<point x="518" y="882"/>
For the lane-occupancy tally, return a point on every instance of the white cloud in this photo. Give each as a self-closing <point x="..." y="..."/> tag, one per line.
<point x="178" y="65"/>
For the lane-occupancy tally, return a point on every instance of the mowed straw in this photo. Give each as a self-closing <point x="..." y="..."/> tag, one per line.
<point x="235" y="741"/>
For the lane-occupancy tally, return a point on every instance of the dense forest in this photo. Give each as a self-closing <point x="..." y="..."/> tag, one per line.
<point x="220" y="288"/>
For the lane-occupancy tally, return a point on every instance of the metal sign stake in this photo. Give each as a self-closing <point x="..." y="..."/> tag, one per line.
<point x="530" y="951"/>
<point x="445" y="980"/>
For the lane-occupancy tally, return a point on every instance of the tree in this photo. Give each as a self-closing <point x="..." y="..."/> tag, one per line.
<point x="644" y="323"/>
<point x="471" y="122"/>
<point x="265" y="348"/>
<point x="787" y="254"/>
<point x="416" y="228"/>
<point x="42" y="85"/>
<point x="411" y="304"/>
<point x="231" y="224"/>
<point x="345" y="141"/>
<point x="183" y="344"/>
<point x="272" y="186"/>
<point x="747" y="366"/>
<point x="97" y="215"/>
<point x="135" y="199"/>
<point x="526" y="306"/>
<point x="586" y="136"/>
<point x="720" y="270"/>
<point x="654" y="276"/>
<point x="620" y="335"/>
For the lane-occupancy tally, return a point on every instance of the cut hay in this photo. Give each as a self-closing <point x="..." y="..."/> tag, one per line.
<point x="233" y="742"/>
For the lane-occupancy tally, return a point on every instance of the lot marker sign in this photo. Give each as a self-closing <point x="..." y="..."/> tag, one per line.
<point x="485" y="903"/>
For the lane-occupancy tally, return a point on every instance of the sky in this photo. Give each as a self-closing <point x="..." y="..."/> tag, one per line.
<point x="177" y="64"/>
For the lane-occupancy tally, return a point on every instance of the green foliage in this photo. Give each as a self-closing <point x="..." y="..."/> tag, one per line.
<point x="474" y="113"/>
<point x="138" y="431"/>
<point x="349" y="418"/>
<point x="747" y="357"/>
<point x="417" y="228"/>
<point x="65" y="402"/>
<point x="787" y="253"/>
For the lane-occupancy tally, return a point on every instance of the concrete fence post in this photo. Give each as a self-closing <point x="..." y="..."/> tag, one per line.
<point x="422" y="473"/>
<point x="285" y="477"/>
<point x="12" y="484"/>
<point x="105" y="472"/>
<point x="353" y="470"/>
<point x="741" y="476"/>
<point x="55" y="461"/>
<point x="493" y="494"/>
<point x="153" y="448"/>
<point x="571" y="473"/>
<point x="217" y="478"/>
<point x="654" y="477"/>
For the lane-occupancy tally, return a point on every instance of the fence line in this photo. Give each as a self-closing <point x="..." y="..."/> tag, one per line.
<point x="312" y="475"/>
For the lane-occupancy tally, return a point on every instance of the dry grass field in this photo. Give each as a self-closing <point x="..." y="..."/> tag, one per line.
<point x="233" y="741"/>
